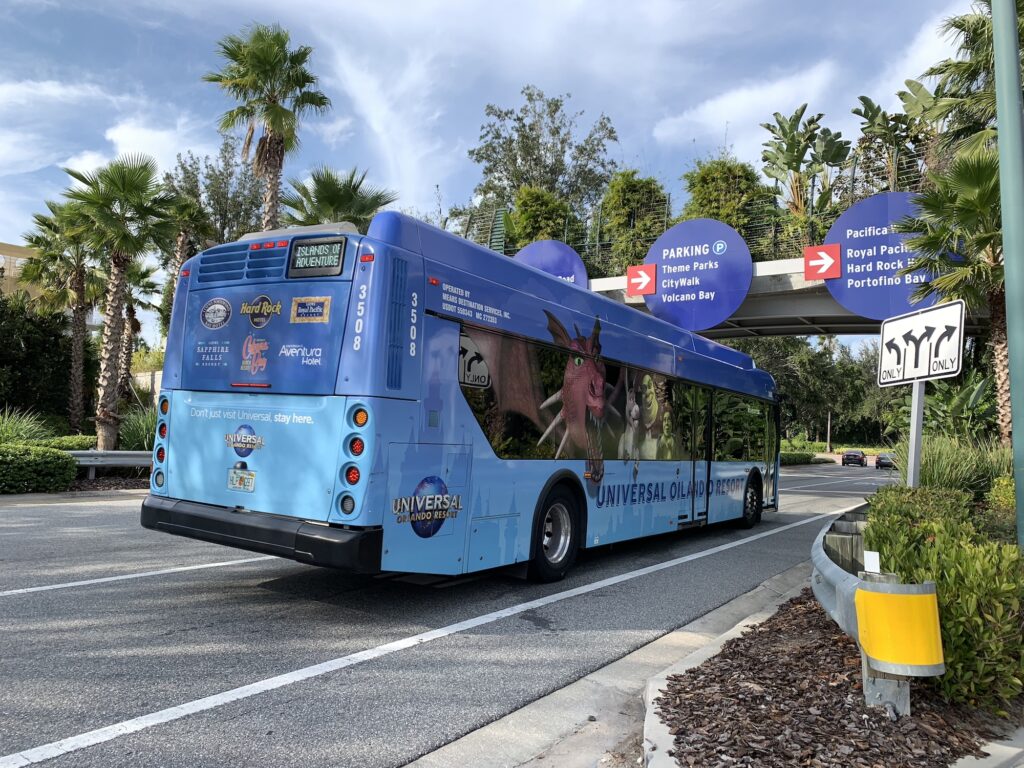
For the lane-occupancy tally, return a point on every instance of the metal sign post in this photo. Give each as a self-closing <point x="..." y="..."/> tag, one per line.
<point x="915" y="348"/>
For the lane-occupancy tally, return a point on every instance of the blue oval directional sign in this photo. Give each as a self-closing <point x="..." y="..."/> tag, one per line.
<point x="872" y="256"/>
<point x="556" y="258"/>
<point x="703" y="273"/>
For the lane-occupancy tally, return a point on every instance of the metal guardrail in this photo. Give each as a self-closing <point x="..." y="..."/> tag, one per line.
<point x="896" y="626"/>
<point x="92" y="459"/>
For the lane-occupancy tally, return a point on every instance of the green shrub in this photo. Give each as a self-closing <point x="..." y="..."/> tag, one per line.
<point x="30" y="469"/>
<point x="956" y="462"/>
<point x="1001" y="495"/>
<point x="145" y="360"/>
<point x="802" y="444"/>
<point x="138" y="429"/>
<point x="17" y="426"/>
<point x="926" y="534"/>
<point x="68" y="442"/>
<point x="996" y="519"/>
<point x="795" y="457"/>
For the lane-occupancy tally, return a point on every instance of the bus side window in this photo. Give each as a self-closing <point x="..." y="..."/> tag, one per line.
<point x="730" y="427"/>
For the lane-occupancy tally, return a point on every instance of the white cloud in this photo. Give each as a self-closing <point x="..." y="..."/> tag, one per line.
<point x="20" y="93"/>
<point x="334" y="132"/>
<point x="139" y="135"/>
<point x="926" y="48"/>
<point x="737" y="113"/>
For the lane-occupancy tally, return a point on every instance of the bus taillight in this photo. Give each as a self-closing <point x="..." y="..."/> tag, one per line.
<point x="347" y="504"/>
<point x="357" y="446"/>
<point x="160" y="454"/>
<point x="360" y="417"/>
<point x="162" y="430"/>
<point x="158" y="479"/>
<point x="352" y="475"/>
<point x="165" y="406"/>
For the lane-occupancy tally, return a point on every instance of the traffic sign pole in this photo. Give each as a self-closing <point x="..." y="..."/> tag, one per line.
<point x="916" y="425"/>
<point x="1011" y="184"/>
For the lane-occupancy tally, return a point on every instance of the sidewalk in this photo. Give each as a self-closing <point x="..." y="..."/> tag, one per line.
<point x="599" y="719"/>
<point x="607" y="718"/>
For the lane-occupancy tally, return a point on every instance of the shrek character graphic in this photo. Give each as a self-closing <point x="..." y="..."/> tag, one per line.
<point x="668" y="446"/>
<point x="649" y="414"/>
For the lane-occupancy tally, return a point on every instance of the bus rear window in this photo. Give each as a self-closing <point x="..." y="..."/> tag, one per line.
<point x="316" y="257"/>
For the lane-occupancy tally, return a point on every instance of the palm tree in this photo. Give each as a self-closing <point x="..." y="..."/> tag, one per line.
<point x="65" y="268"/>
<point x="126" y="213"/>
<point x="274" y="89"/>
<point x="331" y="197"/>
<point x="141" y="288"/>
<point x="193" y="226"/>
<point x="965" y="95"/>
<point x="956" y="236"/>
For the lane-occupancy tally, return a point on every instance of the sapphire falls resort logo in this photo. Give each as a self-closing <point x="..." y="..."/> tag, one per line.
<point x="215" y="314"/>
<point x="428" y="507"/>
<point x="244" y="440"/>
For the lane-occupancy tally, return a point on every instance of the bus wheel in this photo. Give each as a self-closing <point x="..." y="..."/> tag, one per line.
<point x="751" y="504"/>
<point x="555" y="536"/>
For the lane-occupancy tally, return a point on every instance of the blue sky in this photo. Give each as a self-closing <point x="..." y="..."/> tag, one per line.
<point x="81" y="82"/>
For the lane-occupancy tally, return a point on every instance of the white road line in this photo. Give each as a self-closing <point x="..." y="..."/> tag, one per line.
<point x="125" y="576"/>
<point x="783" y="490"/>
<point x="136" y="724"/>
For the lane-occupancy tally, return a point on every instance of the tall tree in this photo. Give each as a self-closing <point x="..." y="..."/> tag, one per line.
<point x="140" y="291"/>
<point x="540" y="215"/>
<point x="957" y="237"/>
<point x="890" y="151"/>
<point x="965" y="97"/>
<point x="634" y="212"/>
<point x="275" y="90"/>
<point x="65" y="268"/>
<point x="731" y="191"/>
<point x="805" y="158"/>
<point x="126" y="213"/>
<point x="330" y="197"/>
<point x="537" y="146"/>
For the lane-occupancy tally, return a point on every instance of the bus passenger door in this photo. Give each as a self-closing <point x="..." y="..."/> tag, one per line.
<point x="700" y="452"/>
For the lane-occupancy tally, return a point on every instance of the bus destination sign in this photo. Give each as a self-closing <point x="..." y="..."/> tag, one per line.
<point x="316" y="257"/>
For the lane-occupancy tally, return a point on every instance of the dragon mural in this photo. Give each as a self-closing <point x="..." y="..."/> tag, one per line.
<point x="583" y="396"/>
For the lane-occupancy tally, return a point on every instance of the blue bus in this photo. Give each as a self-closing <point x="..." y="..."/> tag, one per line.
<point x="410" y="401"/>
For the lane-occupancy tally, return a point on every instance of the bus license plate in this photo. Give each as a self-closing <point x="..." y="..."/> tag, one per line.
<point x="241" y="480"/>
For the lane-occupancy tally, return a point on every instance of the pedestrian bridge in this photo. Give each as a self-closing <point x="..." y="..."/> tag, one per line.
<point x="780" y="303"/>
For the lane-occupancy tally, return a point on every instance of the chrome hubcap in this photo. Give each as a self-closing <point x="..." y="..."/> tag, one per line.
<point x="557" y="532"/>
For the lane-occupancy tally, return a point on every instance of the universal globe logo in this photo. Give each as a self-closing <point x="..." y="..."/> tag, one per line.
<point x="428" y="506"/>
<point x="244" y="440"/>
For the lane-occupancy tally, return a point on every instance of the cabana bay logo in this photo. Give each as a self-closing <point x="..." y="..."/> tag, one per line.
<point x="428" y="507"/>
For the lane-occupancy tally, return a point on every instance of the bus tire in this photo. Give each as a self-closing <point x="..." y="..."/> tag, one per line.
<point x="752" y="503"/>
<point x="556" y="536"/>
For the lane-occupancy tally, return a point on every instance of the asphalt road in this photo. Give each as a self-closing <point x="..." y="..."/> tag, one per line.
<point x="269" y="662"/>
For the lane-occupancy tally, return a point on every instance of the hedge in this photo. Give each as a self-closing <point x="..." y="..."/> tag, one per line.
<point x="928" y="534"/>
<point x="31" y="469"/>
<point x="68" y="442"/>
<point x="795" y="457"/>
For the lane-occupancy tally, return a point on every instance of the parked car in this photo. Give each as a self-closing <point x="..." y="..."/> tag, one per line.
<point x="885" y="461"/>
<point x="855" y="457"/>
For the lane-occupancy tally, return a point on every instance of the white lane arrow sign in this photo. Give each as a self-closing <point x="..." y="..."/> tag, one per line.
<point x="640" y="281"/>
<point x="823" y="262"/>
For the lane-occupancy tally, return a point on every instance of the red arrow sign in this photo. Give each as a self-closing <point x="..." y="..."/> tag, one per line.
<point x="641" y="280"/>
<point x="822" y="262"/>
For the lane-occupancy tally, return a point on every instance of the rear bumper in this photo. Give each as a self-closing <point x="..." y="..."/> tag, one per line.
<point x="351" y="550"/>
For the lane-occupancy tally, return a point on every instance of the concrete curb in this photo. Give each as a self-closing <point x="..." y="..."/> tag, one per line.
<point x="765" y="600"/>
<point x="32" y="499"/>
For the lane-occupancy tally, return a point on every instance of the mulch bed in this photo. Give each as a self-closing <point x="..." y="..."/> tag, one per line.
<point x="110" y="484"/>
<point x="788" y="693"/>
